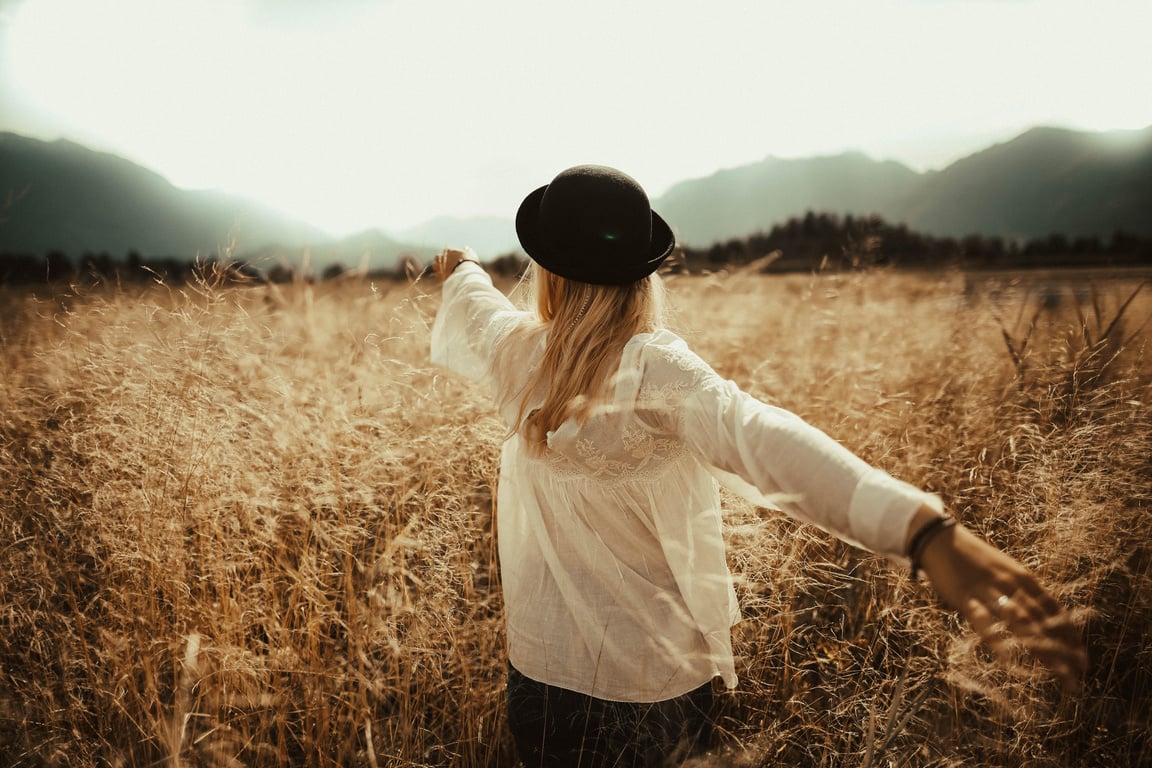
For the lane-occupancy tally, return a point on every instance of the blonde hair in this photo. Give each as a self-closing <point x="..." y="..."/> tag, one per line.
<point x="586" y="328"/>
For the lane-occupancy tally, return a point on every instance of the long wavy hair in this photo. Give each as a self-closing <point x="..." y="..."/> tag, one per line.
<point x="586" y="327"/>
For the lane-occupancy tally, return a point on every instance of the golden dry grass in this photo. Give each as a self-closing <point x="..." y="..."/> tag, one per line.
<point x="252" y="525"/>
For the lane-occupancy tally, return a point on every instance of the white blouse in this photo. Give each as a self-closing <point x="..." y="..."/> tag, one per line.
<point x="611" y="554"/>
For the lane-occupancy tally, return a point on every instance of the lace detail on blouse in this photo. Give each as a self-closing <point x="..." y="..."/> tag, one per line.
<point x="685" y="359"/>
<point x="634" y="455"/>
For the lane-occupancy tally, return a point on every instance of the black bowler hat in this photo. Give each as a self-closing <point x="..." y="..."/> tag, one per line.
<point x="594" y="224"/>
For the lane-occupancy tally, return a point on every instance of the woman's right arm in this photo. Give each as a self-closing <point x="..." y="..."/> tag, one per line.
<point x="816" y="479"/>
<point x="774" y="458"/>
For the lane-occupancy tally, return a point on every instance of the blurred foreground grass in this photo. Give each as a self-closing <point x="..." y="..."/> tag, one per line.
<point x="252" y="526"/>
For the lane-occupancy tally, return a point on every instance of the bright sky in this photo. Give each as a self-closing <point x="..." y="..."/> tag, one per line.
<point x="354" y="114"/>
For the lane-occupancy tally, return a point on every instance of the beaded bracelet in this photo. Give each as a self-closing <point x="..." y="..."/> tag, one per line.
<point x="922" y="537"/>
<point x="457" y="265"/>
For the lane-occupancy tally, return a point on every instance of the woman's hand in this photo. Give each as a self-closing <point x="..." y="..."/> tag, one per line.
<point x="1001" y="599"/>
<point x="448" y="259"/>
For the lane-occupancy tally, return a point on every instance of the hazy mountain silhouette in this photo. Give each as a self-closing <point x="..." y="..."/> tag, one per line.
<point x="369" y="250"/>
<point x="1047" y="180"/>
<point x="739" y="201"/>
<point x="62" y="196"/>
<point x="489" y="236"/>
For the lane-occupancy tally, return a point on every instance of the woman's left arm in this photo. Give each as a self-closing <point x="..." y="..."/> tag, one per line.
<point x="472" y="318"/>
<point x="999" y="597"/>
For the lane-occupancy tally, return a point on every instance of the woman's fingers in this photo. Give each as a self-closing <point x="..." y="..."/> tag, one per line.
<point x="1040" y="626"/>
<point x="992" y="631"/>
<point x="445" y="261"/>
<point x="1005" y="603"/>
<point x="441" y="263"/>
<point x="1041" y="622"/>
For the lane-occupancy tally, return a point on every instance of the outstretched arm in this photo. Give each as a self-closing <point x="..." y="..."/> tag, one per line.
<point x="807" y="474"/>
<point x="999" y="597"/>
<point x="472" y="318"/>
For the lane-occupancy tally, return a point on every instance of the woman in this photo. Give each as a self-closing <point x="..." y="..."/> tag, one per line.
<point x="618" y="599"/>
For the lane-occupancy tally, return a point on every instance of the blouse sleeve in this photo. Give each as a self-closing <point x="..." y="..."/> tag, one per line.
<point x="472" y="318"/>
<point x="774" y="458"/>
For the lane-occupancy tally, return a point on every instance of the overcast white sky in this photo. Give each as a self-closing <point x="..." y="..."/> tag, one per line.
<point x="354" y="114"/>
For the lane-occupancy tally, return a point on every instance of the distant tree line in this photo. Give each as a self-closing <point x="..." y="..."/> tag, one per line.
<point x="56" y="266"/>
<point x="826" y="241"/>
<point x="814" y="241"/>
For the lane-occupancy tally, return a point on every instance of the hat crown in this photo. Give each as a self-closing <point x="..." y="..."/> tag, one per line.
<point x="594" y="224"/>
<point x="591" y="208"/>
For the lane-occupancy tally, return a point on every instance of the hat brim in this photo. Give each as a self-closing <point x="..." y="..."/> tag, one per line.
<point x="662" y="243"/>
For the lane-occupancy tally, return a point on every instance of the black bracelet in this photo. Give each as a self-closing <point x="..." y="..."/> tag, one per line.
<point x="923" y="536"/>
<point x="457" y="266"/>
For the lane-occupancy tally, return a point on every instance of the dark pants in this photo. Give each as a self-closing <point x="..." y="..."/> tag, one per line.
<point x="557" y="728"/>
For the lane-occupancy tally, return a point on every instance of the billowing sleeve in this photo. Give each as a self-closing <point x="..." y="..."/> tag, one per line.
<point x="472" y="318"/>
<point x="774" y="458"/>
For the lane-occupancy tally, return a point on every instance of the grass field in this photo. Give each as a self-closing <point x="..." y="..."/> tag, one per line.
<point x="251" y="526"/>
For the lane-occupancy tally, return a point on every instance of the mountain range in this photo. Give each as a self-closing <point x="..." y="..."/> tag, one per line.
<point x="62" y="196"/>
<point x="1045" y="181"/>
